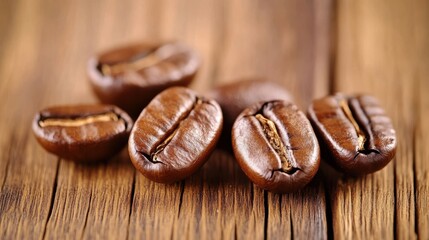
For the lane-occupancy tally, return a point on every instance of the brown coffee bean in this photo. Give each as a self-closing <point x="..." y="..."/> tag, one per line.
<point x="354" y="132"/>
<point x="82" y="133"/>
<point x="275" y="146"/>
<point x="174" y="135"/>
<point x="131" y="76"/>
<point x="234" y="97"/>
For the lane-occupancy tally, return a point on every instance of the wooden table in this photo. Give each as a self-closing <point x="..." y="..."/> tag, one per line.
<point x="312" y="47"/>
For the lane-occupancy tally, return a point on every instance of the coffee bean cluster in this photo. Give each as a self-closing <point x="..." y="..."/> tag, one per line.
<point x="276" y="145"/>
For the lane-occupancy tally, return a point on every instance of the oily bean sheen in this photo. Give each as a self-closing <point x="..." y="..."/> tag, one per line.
<point x="82" y="133"/>
<point x="354" y="132"/>
<point x="174" y="135"/>
<point x="234" y="97"/>
<point x="131" y="76"/>
<point x="275" y="146"/>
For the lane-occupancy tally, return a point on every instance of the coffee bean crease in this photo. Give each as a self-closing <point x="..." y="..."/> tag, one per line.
<point x="80" y="121"/>
<point x="140" y="61"/>
<point x="82" y="133"/>
<point x="153" y="157"/>
<point x="275" y="146"/>
<point x="354" y="131"/>
<point x="363" y="131"/>
<point x="174" y="135"/>
<point x="276" y="143"/>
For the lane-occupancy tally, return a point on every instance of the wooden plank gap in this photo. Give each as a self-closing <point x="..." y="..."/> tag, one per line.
<point x="416" y="210"/>
<point x="182" y="191"/>
<point x="329" y="218"/>
<point x="235" y="231"/>
<point x="266" y="214"/>
<point x="417" y="103"/>
<point x="395" y="199"/>
<point x="53" y="196"/>
<point x="133" y="187"/>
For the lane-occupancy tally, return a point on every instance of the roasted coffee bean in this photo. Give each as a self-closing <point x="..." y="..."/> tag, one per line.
<point x="275" y="146"/>
<point x="131" y="76"/>
<point x="355" y="134"/>
<point x="82" y="133"/>
<point x="174" y="135"/>
<point x="234" y="97"/>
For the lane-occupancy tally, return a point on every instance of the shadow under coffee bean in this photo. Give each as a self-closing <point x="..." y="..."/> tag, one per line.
<point x="174" y="135"/>
<point x="131" y="76"/>
<point x="354" y="132"/>
<point x="275" y="146"/>
<point x="83" y="133"/>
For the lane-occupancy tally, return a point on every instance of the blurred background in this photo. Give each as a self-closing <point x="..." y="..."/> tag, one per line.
<point x="285" y="41"/>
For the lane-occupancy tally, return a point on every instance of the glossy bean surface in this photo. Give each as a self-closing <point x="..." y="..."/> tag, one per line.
<point x="355" y="133"/>
<point x="174" y="135"/>
<point x="275" y="146"/>
<point x="82" y="133"/>
<point x="130" y="76"/>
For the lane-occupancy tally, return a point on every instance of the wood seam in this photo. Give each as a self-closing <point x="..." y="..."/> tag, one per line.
<point x="53" y="197"/>
<point x="133" y="187"/>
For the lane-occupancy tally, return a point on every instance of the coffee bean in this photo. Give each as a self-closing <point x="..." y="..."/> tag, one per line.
<point x="234" y="97"/>
<point x="354" y="132"/>
<point x="275" y="146"/>
<point x="131" y="76"/>
<point x="174" y="135"/>
<point x="82" y="133"/>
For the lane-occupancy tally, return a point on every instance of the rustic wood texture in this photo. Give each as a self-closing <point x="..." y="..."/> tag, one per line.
<point x="383" y="49"/>
<point x="313" y="48"/>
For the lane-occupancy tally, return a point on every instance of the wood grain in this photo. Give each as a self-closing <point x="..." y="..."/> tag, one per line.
<point x="421" y="165"/>
<point x="421" y="129"/>
<point x="313" y="48"/>
<point x="382" y="50"/>
<point x="27" y="173"/>
<point x="254" y="29"/>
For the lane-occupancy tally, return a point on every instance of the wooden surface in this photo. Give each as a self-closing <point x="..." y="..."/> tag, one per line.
<point x="311" y="47"/>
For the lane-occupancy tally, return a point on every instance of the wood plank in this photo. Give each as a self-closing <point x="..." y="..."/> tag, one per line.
<point x="284" y="41"/>
<point x="155" y="209"/>
<point x="280" y="40"/>
<point x="421" y="131"/>
<point x="421" y="165"/>
<point x="24" y="201"/>
<point x="220" y="205"/>
<point x="44" y="59"/>
<point x="227" y="205"/>
<point x="379" y="52"/>
<point x="93" y="201"/>
<point x="200" y="25"/>
<point x="7" y="19"/>
<point x="174" y="211"/>
<point x="233" y="207"/>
